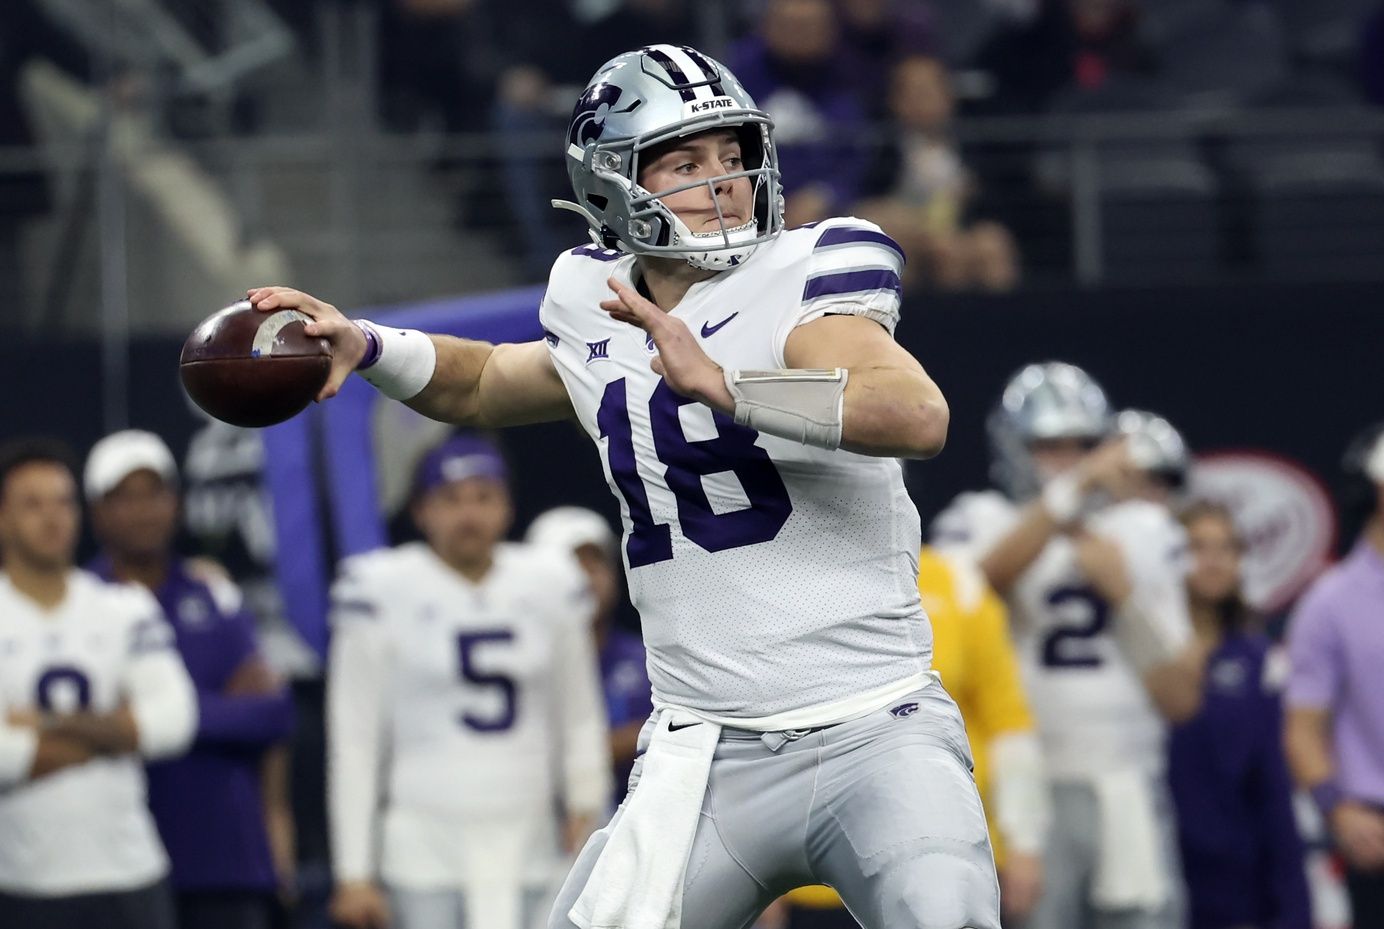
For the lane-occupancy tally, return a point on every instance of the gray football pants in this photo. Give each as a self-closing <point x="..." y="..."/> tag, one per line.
<point x="1070" y="862"/>
<point x="883" y="808"/>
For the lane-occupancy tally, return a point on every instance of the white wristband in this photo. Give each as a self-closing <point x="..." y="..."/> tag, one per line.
<point x="405" y="363"/>
<point x="1063" y="499"/>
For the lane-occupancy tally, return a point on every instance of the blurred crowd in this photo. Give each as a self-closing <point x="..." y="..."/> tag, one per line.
<point x="1151" y="751"/>
<point x="871" y="99"/>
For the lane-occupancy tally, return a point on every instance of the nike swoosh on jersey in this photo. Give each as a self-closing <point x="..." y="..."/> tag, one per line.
<point x="709" y="330"/>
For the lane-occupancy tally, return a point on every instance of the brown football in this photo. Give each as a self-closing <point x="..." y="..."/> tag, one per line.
<point x="249" y="368"/>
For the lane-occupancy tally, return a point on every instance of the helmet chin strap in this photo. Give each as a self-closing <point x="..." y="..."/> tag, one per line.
<point x="724" y="255"/>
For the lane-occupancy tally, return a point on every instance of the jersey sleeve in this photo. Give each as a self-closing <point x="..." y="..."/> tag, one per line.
<point x="1019" y="788"/>
<point x="586" y="766"/>
<point x="972" y="524"/>
<point x="854" y="269"/>
<point x="156" y="683"/>
<point x="357" y="677"/>
<point x="1315" y="661"/>
<point x="1155" y="547"/>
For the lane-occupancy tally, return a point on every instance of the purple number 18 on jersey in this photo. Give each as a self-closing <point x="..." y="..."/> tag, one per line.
<point x="733" y="449"/>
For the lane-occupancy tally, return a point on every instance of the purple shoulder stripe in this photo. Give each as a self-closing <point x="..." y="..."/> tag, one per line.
<point x="848" y="235"/>
<point x="850" y="282"/>
<point x="596" y="252"/>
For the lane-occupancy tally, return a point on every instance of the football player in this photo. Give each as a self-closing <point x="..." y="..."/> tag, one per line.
<point x="1159" y="455"/>
<point x="624" y="668"/>
<point x="223" y="860"/>
<point x="463" y="709"/>
<point x="1094" y="580"/>
<point x="750" y="405"/>
<point x="90" y="686"/>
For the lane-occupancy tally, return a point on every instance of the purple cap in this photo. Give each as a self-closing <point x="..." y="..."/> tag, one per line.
<point x="460" y="457"/>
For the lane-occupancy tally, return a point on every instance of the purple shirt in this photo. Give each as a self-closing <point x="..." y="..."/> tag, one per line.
<point x="1241" y="853"/>
<point x="628" y="695"/>
<point x="1336" y="648"/>
<point x="819" y="119"/>
<point x="208" y="804"/>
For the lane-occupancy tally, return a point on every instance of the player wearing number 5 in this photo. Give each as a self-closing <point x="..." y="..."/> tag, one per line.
<point x="750" y="405"/>
<point x="464" y="708"/>
<point x="89" y="683"/>
<point x="1094" y="581"/>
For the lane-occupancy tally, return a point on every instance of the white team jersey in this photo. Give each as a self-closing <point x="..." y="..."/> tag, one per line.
<point x="769" y="576"/>
<point x="453" y="704"/>
<point x="87" y="828"/>
<point x="1094" y="713"/>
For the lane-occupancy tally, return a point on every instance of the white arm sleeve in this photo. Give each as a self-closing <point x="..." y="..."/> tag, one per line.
<point x="586" y="763"/>
<point x="1153" y="626"/>
<point x="1022" y="804"/>
<point x="162" y="697"/>
<point x="17" y="748"/>
<point x="357" y="676"/>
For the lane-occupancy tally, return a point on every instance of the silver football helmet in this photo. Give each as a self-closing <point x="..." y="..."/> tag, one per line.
<point x="1043" y="401"/>
<point x="1155" y="446"/>
<point x="643" y="98"/>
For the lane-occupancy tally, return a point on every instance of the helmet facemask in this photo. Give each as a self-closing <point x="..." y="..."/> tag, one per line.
<point x="655" y="229"/>
<point x="637" y="102"/>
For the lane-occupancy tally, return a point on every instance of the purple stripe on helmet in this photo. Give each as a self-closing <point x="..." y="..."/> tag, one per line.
<point x="679" y="79"/>
<point x="712" y="73"/>
<point x="850" y="282"/>
<point x="847" y="235"/>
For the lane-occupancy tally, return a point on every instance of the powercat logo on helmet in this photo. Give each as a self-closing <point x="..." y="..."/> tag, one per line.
<point x="588" y="119"/>
<point x="700" y="107"/>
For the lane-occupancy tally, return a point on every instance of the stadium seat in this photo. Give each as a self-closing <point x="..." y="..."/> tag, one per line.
<point x="1227" y="59"/>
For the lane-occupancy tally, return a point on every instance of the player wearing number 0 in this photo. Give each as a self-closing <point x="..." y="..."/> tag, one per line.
<point x="90" y="686"/>
<point x="464" y="710"/>
<point x="1094" y="580"/>
<point x="750" y="405"/>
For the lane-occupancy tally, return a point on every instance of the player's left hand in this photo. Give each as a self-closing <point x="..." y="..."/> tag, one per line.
<point x="680" y="361"/>
<point x="1103" y="564"/>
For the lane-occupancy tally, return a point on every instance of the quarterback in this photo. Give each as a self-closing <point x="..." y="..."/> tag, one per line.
<point x="750" y="405"/>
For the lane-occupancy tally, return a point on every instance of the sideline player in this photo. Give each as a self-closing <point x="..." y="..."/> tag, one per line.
<point x="463" y="710"/>
<point x="750" y="406"/>
<point x="624" y="667"/>
<point x="1094" y="580"/>
<point x="223" y="857"/>
<point x="89" y="686"/>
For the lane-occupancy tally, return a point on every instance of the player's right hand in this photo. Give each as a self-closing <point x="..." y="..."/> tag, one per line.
<point x="347" y="341"/>
<point x="359" y="905"/>
<point x="1359" y="833"/>
<point x="1110" y="468"/>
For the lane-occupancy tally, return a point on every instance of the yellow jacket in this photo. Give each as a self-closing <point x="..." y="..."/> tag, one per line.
<point x="972" y="651"/>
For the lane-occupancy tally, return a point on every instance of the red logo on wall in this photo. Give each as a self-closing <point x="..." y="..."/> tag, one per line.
<point x="1284" y="513"/>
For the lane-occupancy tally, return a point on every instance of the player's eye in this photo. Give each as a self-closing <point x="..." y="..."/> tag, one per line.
<point x="733" y="161"/>
<point x="686" y="168"/>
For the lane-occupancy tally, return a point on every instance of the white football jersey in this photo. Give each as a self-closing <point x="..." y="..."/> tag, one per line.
<point x="1094" y="713"/>
<point x="452" y="704"/>
<point x="87" y="828"/>
<point x="769" y="576"/>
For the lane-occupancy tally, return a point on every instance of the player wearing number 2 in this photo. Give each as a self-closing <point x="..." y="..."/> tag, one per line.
<point x="464" y="712"/>
<point x="1094" y="580"/>
<point x="750" y="404"/>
